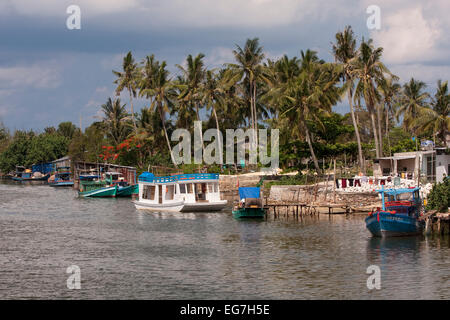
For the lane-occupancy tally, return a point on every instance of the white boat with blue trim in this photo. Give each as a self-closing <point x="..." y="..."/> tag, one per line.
<point x="180" y="193"/>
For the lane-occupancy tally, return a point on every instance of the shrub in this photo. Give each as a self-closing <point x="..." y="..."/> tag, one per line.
<point x="439" y="197"/>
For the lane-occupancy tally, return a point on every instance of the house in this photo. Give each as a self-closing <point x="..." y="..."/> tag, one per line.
<point x="432" y="164"/>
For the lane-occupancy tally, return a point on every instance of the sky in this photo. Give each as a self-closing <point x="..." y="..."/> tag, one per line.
<point x="50" y="74"/>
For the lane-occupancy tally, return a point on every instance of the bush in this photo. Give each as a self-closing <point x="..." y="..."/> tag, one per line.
<point x="439" y="197"/>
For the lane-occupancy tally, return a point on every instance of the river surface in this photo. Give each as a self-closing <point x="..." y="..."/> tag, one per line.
<point x="123" y="253"/>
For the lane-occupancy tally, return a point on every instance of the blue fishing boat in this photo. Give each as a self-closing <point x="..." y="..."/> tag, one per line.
<point x="27" y="175"/>
<point x="399" y="216"/>
<point x="250" y="204"/>
<point x="62" y="178"/>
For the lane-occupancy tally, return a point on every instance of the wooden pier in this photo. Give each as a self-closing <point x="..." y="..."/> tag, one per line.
<point x="303" y="209"/>
<point x="437" y="223"/>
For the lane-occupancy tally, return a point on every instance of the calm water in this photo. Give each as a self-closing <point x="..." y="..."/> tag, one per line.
<point x="126" y="254"/>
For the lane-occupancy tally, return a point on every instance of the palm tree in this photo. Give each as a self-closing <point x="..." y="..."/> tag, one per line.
<point x="389" y="91"/>
<point x="115" y="118"/>
<point x="128" y="79"/>
<point x="344" y="51"/>
<point x="161" y="94"/>
<point x="312" y="93"/>
<point x="249" y="61"/>
<point x="369" y="71"/>
<point x="214" y="93"/>
<point x="194" y="75"/>
<point x="412" y="100"/>
<point x="436" y="119"/>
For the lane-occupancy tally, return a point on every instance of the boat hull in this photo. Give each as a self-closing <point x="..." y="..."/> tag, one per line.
<point x="170" y="207"/>
<point x="385" y="224"/>
<point x="204" y="206"/>
<point x="128" y="191"/>
<point x="249" y="213"/>
<point x="43" y="178"/>
<point x="61" y="184"/>
<point x="106" y="192"/>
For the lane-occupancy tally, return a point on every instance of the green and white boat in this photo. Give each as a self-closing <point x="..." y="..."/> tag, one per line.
<point x="250" y="204"/>
<point x="99" y="188"/>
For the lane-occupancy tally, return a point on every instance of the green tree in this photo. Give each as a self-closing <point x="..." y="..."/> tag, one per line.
<point x="344" y="51"/>
<point x="128" y="79"/>
<point x="436" y="120"/>
<point x="368" y="70"/>
<point x="115" y="120"/>
<point x="413" y="98"/>
<point x="66" y="129"/>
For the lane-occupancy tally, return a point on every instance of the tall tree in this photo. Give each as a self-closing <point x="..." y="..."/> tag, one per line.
<point x="128" y="79"/>
<point x="312" y="93"/>
<point x="194" y="75"/>
<point x="413" y="99"/>
<point x="436" y="119"/>
<point x="344" y="51"/>
<point x="115" y="120"/>
<point x="161" y="94"/>
<point x="249" y="61"/>
<point x="368" y="70"/>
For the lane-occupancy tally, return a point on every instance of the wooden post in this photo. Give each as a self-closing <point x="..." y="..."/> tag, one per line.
<point x="334" y="182"/>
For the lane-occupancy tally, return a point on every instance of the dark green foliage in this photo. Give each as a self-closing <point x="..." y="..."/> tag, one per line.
<point x="27" y="148"/>
<point x="439" y="197"/>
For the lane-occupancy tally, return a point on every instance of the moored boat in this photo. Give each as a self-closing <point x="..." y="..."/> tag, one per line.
<point x="61" y="178"/>
<point x="250" y="205"/>
<point x="399" y="215"/>
<point x="92" y="186"/>
<point x="124" y="189"/>
<point x="182" y="192"/>
<point x="26" y="175"/>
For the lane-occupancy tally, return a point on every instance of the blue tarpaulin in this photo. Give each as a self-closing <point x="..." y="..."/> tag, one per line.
<point x="146" y="176"/>
<point x="249" y="192"/>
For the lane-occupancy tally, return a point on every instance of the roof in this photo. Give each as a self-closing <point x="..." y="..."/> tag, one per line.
<point x="249" y="192"/>
<point x="191" y="177"/>
<point x="398" y="191"/>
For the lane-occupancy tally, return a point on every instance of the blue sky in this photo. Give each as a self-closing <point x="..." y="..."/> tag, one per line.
<point x="50" y="74"/>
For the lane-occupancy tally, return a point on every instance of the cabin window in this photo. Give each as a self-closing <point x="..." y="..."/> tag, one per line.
<point x="182" y="188"/>
<point x="149" y="193"/>
<point x="169" y="192"/>
<point x="216" y="187"/>
<point x="210" y="187"/>
<point x="189" y="188"/>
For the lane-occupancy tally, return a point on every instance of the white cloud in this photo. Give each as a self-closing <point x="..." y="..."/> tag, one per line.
<point x="407" y="36"/>
<point x="36" y="75"/>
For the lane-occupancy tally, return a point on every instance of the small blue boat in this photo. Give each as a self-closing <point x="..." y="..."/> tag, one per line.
<point x="62" y="178"/>
<point x="399" y="216"/>
<point x="250" y="205"/>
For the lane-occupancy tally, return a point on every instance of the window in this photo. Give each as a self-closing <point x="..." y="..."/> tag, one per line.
<point x="182" y="188"/>
<point x="149" y="193"/>
<point x="216" y="187"/>
<point x="170" y="192"/>
<point x="189" y="188"/>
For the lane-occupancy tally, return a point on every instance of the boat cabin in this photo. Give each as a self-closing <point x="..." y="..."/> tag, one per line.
<point x="404" y="201"/>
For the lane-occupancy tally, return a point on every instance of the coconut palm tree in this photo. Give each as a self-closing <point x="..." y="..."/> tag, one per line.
<point x="344" y="51"/>
<point x="214" y="93"/>
<point x="368" y="70"/>
<point x="115" y="120"/>
<point x="161" y="95"/>
<point x="194" y="75"/>
<point x="413" y="98"/>
<point x="436" y="119"/>
<point x="312" y="93"/>
<point x="249" y="61"/>
<point x="389" y="91"/>
<point x="128" y="79"/>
